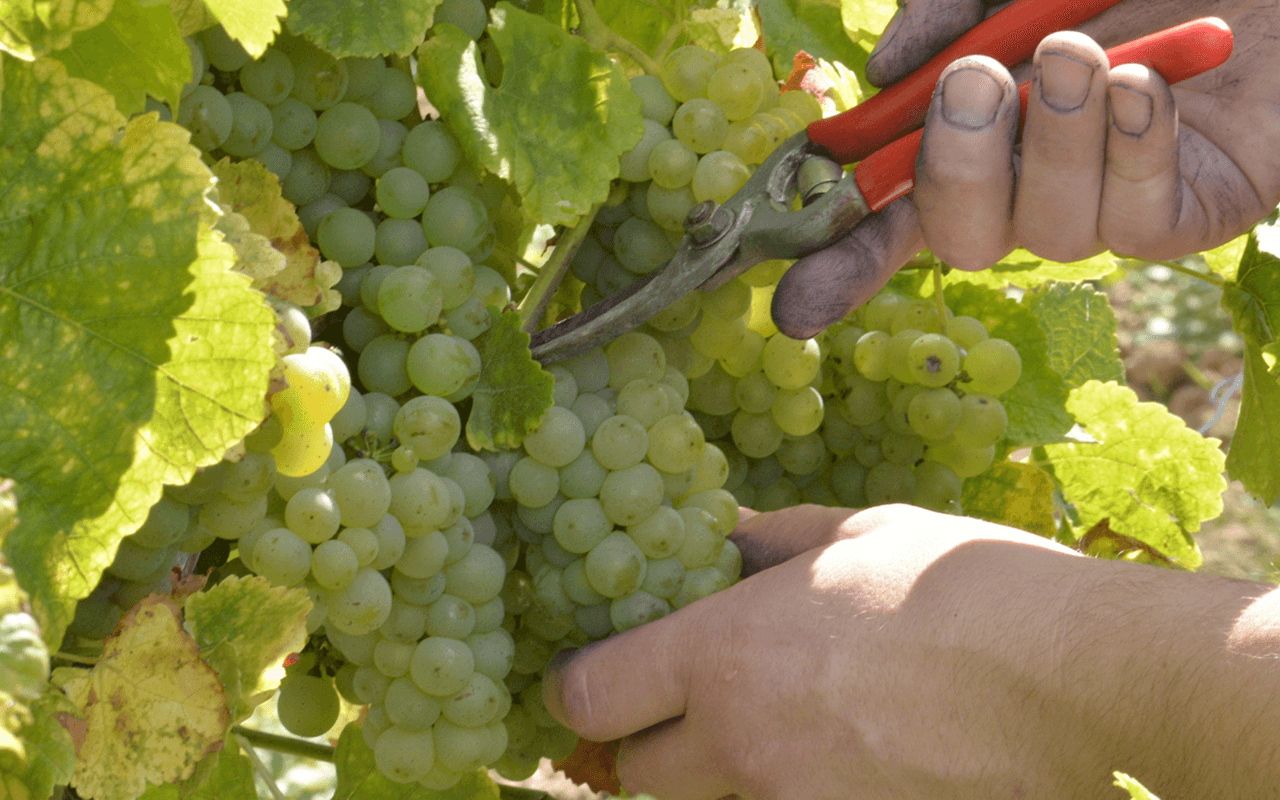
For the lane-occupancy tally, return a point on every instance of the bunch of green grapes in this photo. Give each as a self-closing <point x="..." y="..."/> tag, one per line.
<point x="617" y="503"/>
<point x="709" y="122"/>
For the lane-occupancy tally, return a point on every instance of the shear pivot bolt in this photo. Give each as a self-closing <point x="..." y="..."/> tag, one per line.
<point x="707" y="222"/>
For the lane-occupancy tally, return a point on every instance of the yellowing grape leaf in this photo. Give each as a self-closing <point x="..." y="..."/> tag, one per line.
<point x="153" y="708"/>
<point x="132" y="355"/>
<point x="245" y="627"/>
<point x="137" y="51"/>
<point x="514" y="390"/>
<point x="30" y="28"/>
<point x="1014" y="494"/>
<point x="49" y="754"/>
<point x="251" y="190"/>
<point x="1154" y="478"/>
<point x="1081" y="331"/>
<point x="556" y="125"/>
<point x="389" y="27"/>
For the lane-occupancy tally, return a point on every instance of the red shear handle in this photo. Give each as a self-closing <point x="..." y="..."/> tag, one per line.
<point x="1009" y="36"/>
<point x="1176" y="53"/>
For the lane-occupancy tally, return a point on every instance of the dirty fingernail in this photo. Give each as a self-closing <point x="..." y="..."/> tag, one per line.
<point x="1130" y="110"/>
<point x="970" y="98"/>
<point x="1064" y="81"/>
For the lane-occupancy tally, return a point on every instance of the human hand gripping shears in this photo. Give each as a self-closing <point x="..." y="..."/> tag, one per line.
<point x="882" y="136"/>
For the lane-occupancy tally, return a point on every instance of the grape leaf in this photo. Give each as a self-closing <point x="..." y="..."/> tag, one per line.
<point x="1224" y="259"/>
<point x="342" y="28"/>
<point x="1253" y="297"/>
<point x="50" y="755"/>
<point x="720" y="30"/>
<point x="514" y="390"/>
<point x="137" y="51"/>
<point x="132" y="355"/>
<point x="643" y="24"/>
<point x="153" y="708"/>
<point x="816" y="28"/>
<point x="1154" y="478"/>
<point x="251" y="190"/>
<point x="1021" y="268"/>
<point x="866" y="19"/>
<point x="245" y="627"/>
<point x="1136" y="790"/>
<point x="1037" y="404"/>
<point x="555" y="127"/>
<point x="30" y="28"/>
<point x="1081" y="330"/>
<point x="232" y="777"/>
<point x="1254" y="458"/>
<point x="1014" y="494"/>
<point x="191" y="16"/>
<point x="359" y="779"/>
<point x="252" y="23"/>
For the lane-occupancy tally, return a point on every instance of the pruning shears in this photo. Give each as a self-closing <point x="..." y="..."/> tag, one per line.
<point x="883" y="136"/>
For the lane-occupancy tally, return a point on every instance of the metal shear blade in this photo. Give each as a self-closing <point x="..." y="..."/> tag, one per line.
<point x="754" y="225"/>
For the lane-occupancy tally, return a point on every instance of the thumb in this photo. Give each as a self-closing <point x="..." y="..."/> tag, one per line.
<point x="919" y="30"/>
<point x="822" y="287"/>
<point x="626" y="683"/>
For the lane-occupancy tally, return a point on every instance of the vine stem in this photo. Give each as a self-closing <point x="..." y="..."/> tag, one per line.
<point x="937" y="295"/>
<point x="1207" y="277"/>
<point x="260" y="768"/>
<point x="285" y="744"/>
<point x="601" y="35"/>
<point x="668" y="42"/>
<point x="534" y="303"/>
<point x="75" y="659"/>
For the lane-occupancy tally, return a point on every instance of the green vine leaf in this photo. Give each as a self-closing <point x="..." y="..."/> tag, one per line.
<point x="252" y="23"/>
<point x="1150" y="475"/>
<point x="1021" y="268"/>
<point x="514" y="390"/>
<point x="1081" y="330"/>
<point x="1037" y="404"/>
<point x="111" y="293"/>
<point x="342" y="28"/>
<point x="137" y="51"/>
<point x="556" y="125"/>
<point x="816" y="28"/>
<point x="29" y="28"/>
<point x="49" y="754"/>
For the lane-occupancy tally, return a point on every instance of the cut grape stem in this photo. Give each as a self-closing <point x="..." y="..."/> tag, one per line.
<point x="283" y="744"/>
<point x="937" y="296"/>
<point x="534" y="303"/>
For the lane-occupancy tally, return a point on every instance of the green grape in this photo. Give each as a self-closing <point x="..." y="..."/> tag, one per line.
<point x="712" y="471"/>
<point x="455" y="272"/>
<point x="363" y="542"/>
<point x="686" y="71"/>
<point x="207" y="114"/>
<point x="440" y="364"/>
<point x="804" y="454"/>
<point x="699" y="583"/>
<point x="440" y="666"/>
<point x="451" y="617"/>
<point x="409" y="299"/>
<point x="311" y="216"/>
<point x="730" y="301"/>
<point x="993" y="367"/>
<point x="664" y="577"/>
<point x="395" y="98"/>
<point x="896" y="354"/>
<point x="276" y="159"/>
<point x="937" y="487"/>
<point x="576" y="587"/>
<point x="982" y="421"/>
<point x="871" y="355"/>
<point x="362" y="605"/>
<point x="641" y="246"/>
<point x="293" y="124"/>
<point x="966" y="331"/>
<point x="388" y="155"/>
<point x="293" y="326"/>
<point x="582" y="477"/>
<point x="791" y="363"/>
<point x="746" y="139"/>
<point x="166" y="522"/>
<point x="431" y="151"/>
<point x="669" y="207"/>
<point x="802" y="103"/>
<point x="645" y="401"/>
<point x="736" y="89"/>
<point x="887" y="482"/>
<point x="307" y="705"/>
<point x="877" y="314"/>
<point x="672" y="164"/>
<point x="899" y="417"/>
<point x="351" y="185"/>
<point x="675" y="444"/>
<point x="251" y="126"/>
<point x="228" y="518"/>
<point x="634" y="164"/>
<point x="347" y="236"/>
<point x="364" y="76"/>
<point x="619" y="442"/>
<point x="494" y="652"/>
<point x="773" y="129"/>
<point x="920" y="315"/>
<point x="700" y="124"/>
<point x="718" y="176"/>
<point x="399" y="241"/>
<point x="404" y="756"/>
<point x="632" y="494"/>
<point x="798" y="412"/>
<point x="302" y="451"/>
<point x="474" y="477"/>
<point x="615" y="567"/>
<point x="361" y="491"/>
<point x="542" y="518"/>
<point x="408" y="707"/>
<point x="319" y="79"/>
<point x="133" y="562"/>
<point x="716" y="337"/>
<point x="532" y="483"/>
<point x="382" y="365"/>
<point x="456" y="218"/>
<point x="758" y="62"/>
<point x="391" y="542"/>
<point x="347" y="136"/>
<point x="428" y="424"/>
<point x="636" y="609"/>
<point x="334" y="564"/>
<point x="478" y="576"/>
<point x="313" y="514"/>
<point x="282" y="557"/>
<point x="747" y="357"/>
<point x="702" y="542"/>
<point x="419" y="591"/>
<point x="268" y="79"/>
<point x="933" y="359"/>
<point x="756" y="435"/>
<point x="656" y="103"/>
<point x="558" y="439"/>
<point x="551" y="593"/>
<point x="402" y="193"/>
<point x="469" y="15"/>
<point x="964" y="461"/>
<point x="221" y="51"/>
<point x="420" y="500"/>
<point x="407" y="622"/>
<point x="934" y="413"/>
<point x="755" y="393"/>
<point x="847" y="479"/>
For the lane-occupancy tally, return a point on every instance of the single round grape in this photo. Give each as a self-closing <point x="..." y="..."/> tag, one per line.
<point x="440" y="666"/>
<point x="756" y="435"/>
<point x="641" y="246"/>
<point x="871" y="355"/>
<point x="399" y="241"/>
<point x="791" y="363"/>
<point x="302" y="451"/>
<point x="207" y="114"/>
<point x="964" y="461"/>
<point x="802" y="103"/>
<point x="896" y="354"/>
<point x="347" y="236"/>
<point x="251" y="126"/>
<point x="736" y="89"/>
<point x="889" y="483"/>
<point x="966" y="331"/>
<point x="558" y="439"/>
<point x="686" y="71"/>
<point x="937" y="487"/>
<point x="334" y="564"/>
<point x="319" y="79"/>
<point x="351" y="185"/>
<point x="993" y="367"/>
<point x="934" y="360"/>
<point x="676" y="443"/>
<point x="382" y="366"/>
<point x="615" y="567"/>
<point x="634" y="164"/>
<point x="347" y="136"/>
<point x="409" y="299"/>
<point x="632" y="494"/>
<point x="921" y="315"/>
<point x="619" y="442"/>
<point x="361" y="492"/>
<point x="282" y="557"/>
<point x="221" y="51"/>
<point x="441" y="365"/>
<point x="718" y="176"/>
<point x="268" y="78"/>
<point x="404" y="756"/>
<point x="656" y="103"/>
<point x="364" y="76"/>
<point x="456" y="218"/>
<point x="395" y="98"/>
<point x="293" y="124"/>
<point x="308" y="178"/>
<point x="362" y="605"/>
<point x="388" y="155"/>
<point x="307" y="705"/>
<point x="798" y="412"/>
<point x="934" y="413"/>
<point x="431" y="151"/>
<point x="532" y="483"/>
<point x="402" y="193"/>
<point x="983" y="421"/>
<point x="700" y="124"/>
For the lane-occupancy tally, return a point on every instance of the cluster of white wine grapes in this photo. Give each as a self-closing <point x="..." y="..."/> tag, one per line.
<point x="616" y="499"/>
<point x="709" y="122"/>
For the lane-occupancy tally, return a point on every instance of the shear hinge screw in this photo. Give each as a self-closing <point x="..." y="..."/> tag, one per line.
<point x="707" y="222"/>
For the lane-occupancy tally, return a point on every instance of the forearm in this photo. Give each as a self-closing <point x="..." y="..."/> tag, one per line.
<point x="1175" y="678"/>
